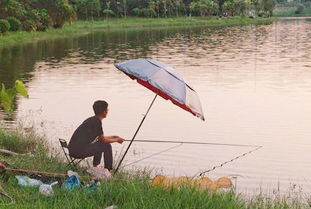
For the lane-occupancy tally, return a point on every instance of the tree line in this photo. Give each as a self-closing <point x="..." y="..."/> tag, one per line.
<point x="34" y="15"/>
<point x="86" y="9"/>
<point x="38" y="15"/>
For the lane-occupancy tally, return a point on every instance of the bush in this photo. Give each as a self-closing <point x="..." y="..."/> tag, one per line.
<point x="261" y="13"/>
<point x="109" y="13"/>
<point x="148" y="12"/>
<point x="45" y="20"/>
<point x="60" y="11"/>
<point x="87" y="8"/>
<point x="299" y="9"/>
<point x="144" y="12"/>
<point x="65" y="14"/>
<point x="4" y="26"/>
<point x="15" y="24"/>
<point x="33" y="20"/>
<point x="136" y="11"/>
<point x="29" y="25"/>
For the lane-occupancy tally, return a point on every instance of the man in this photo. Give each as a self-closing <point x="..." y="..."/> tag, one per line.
<point x="89" y="140"/>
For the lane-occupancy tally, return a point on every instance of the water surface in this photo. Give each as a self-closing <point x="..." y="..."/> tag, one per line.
<point x="254" y="83"/>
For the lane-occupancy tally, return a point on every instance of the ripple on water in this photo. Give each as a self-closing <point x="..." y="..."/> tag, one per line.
<point x="253" y="81"/>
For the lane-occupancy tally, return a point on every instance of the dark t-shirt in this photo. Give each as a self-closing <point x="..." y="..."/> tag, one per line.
<point x="85" y="134"/>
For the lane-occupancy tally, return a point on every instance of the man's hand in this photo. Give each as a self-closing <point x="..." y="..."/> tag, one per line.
<point x="120" y="140"/>
<point x="111" y="139"/>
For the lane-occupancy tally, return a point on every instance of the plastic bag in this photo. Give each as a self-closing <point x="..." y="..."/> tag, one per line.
<point x="99" y="173"/>
<point x="111" y="207"/>
<point x="72" y="182"/>
<point x="72" y="173"/>
<point x="46" y="189"/>
<point x="26" y="181"/>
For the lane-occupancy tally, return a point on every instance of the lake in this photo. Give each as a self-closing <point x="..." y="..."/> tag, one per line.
<point x="254" y="83"/>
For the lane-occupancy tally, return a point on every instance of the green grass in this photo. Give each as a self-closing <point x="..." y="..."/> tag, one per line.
<point x="291" y="13"/>
<point x="79" y="28"/>
<point x="127" y="190"/>
<point x="18" y="142"/>
<point x="293" y="9"/>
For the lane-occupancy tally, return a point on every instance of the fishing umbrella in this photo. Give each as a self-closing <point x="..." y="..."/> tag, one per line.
<point x="164" y="81"/>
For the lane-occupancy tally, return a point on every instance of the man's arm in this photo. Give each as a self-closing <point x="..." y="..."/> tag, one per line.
<point x="110" y="139"/>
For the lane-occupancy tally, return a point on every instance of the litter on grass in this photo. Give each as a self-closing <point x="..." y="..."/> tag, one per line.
<point x="99" y="173"/>
<point x="46" y="189"/>
<point x="26" y="181"/>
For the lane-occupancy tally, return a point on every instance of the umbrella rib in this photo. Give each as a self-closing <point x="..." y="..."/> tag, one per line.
<point x="165" y="70"/>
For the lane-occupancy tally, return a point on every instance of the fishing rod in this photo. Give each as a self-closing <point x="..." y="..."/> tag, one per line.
<point x="195" y="142"/>
<point x="228" y="161"/>
<point x="256" y="147"/>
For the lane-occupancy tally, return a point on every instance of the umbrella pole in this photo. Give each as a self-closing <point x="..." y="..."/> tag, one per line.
<point x="142" y="121"/>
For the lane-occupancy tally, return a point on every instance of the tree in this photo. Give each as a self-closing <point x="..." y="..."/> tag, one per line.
<point x="236" y="7"/>
<point x="87" y="8"/>
<point x="60" y="11"/>
<point x="204" y="7"/>
<point x="268" y="6"/>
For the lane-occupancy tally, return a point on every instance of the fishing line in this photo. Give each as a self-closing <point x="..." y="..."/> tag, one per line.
<point x="229" y="161"/>
<point x="195" y="142"/>
<point x="154" y="154"/>
<point x="200" y="174"/>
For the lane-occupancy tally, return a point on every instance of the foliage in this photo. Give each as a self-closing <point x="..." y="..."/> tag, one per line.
<point x="17" y="141"/>
<point x="45" y="20"/>
<point x="136" y="12"/>
<point x="203" y="7"/>
<point x="108" y="13"/>
<point x="15" y="24"/>
<point x="34" y="13"/>
<point x="7" y="96"/>
<point x="288" y="9"/>
<point x="268" y="6"/>
<point x="37" y="14"/>
<point x="87" y="9"/>
<point x="59" y="11"/>
<point x="4" y="26"/>
<point x="237" y="7"/>
<point x="144" y="12"/>
<point x="15" y="8"/>
<point x="299" y="9"/>
<point x="80" y="28"/>
<point x="29" y="25"/>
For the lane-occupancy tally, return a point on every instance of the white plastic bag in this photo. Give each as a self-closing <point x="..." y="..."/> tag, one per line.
<point x="46" y="189"/>
<point x="72" y="173"/>
<point x="100" y="173"/>
<point x="26" y="181"/>
<point x="111" y="207"/>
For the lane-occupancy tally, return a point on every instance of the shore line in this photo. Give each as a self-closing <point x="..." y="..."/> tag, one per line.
<point x="80" y="28"/>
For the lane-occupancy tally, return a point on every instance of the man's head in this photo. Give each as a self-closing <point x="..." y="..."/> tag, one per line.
<point x="100" y="108"/>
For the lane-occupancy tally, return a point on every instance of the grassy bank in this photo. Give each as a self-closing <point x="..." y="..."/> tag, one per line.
<point x="293" y="9"/>
<point x="292" y="12"/>
<point x="79" y="28"/>
<point x="134" y="192"/>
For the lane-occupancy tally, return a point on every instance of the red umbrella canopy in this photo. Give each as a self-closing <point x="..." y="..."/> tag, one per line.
<point x="165" y="82"/>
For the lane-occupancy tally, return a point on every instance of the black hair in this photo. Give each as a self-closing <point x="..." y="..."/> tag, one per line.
<point x="100" y="106"/>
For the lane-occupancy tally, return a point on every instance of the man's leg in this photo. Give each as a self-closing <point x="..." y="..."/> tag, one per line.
<point x="96" y="149"/>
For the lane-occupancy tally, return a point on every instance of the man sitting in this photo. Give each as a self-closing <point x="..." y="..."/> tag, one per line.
<point x="89" y="140"/>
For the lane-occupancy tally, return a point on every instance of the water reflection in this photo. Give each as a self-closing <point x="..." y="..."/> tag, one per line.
<point x="254" y="83"/>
